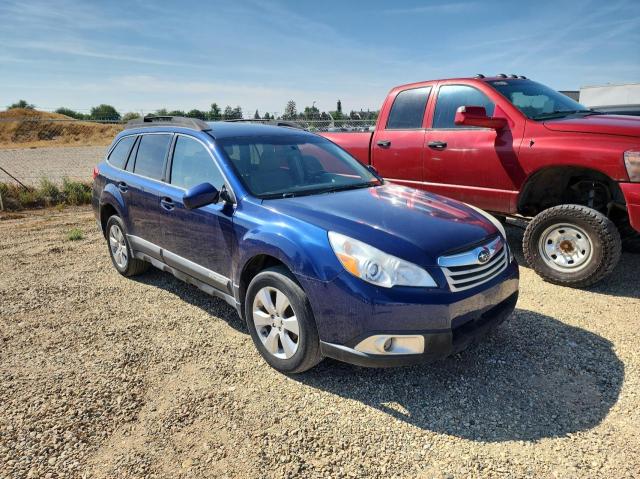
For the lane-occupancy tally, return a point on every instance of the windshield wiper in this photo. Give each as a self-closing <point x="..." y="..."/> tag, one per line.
<point x="353" y="186"/>
<point x="562" y="113"/>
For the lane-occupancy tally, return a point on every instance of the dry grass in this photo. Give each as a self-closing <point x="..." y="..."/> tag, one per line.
<point x="15" y="197"/>
<point x="23" y="128"/>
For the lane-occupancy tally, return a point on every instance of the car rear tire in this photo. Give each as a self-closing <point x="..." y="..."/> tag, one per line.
<point x="281" y="322"/>
<point x="120" y="250"/>
<point x="572" y="245"/>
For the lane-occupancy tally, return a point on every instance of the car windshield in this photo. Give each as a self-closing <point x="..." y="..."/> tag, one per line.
<point x="281" y="166"/>
<point x="537" y="101"/>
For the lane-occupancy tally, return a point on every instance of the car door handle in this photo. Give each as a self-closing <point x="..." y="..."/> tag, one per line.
<point x="167" y="203"/>
<point x="437" y="145"/>
<point x="122" y="186"/>
<point x="384" y="143"/>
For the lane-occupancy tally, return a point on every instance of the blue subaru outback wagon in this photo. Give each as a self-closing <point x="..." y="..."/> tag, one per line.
<point x="320" y="256"/>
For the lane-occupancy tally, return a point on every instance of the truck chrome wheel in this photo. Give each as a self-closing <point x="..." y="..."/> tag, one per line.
<point x="118" y="246"/>
<point x="276" y="322"/>
<point x="565" y="247"/>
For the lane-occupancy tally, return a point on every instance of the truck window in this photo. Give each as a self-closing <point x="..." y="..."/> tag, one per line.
<point x="151" y="155"/>
<point x="407" y="110"/>
<point x="452" y="97"/>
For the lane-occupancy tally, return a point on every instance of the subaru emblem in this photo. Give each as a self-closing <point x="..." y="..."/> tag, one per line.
<point x="484" y="255"/>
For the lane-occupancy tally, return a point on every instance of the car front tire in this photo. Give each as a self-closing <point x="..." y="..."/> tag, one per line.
<point x="281" y="322"/>
<point x="572" y="245"/>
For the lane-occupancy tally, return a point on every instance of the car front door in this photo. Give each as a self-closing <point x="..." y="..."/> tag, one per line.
<point x="397" y="147"/>
<point x="198" y="242"/>
<point x="468" y="163"/>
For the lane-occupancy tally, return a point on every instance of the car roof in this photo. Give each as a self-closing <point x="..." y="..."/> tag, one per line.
<point x="230" y="129"/>
<point x="221" y="129"/>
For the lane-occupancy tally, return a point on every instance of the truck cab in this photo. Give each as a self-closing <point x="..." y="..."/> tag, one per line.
<point x="512" y="146"/>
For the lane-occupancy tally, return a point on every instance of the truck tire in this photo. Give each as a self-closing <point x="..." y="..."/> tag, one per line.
<point x="572" y="245"/>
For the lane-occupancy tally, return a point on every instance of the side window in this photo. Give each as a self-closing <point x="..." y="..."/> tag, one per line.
<point x="407" y="110"/>
<point x="152" y="152"/>
<point x="192" y="164"/>
<point x="451" y="97"/>
<point x="120" y="153"/>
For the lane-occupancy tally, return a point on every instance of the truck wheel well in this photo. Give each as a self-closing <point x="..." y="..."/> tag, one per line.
<point x="570" y="185"/>
<point x="254" y="266"/>
<point x="106" y="212"/>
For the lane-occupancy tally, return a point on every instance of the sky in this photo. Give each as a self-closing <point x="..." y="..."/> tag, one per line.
<point x="141" y="55"/>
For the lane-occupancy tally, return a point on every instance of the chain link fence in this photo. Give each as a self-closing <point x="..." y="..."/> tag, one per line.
<point x="34" y="148"/>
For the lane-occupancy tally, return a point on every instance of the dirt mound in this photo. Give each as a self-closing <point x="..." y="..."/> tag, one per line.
<point x="24" y="128"/>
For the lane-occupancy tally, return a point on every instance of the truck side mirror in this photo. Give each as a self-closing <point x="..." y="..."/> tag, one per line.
<point x="477" y="116"/>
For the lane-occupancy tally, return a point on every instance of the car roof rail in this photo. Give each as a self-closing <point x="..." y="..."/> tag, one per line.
<point x="479" y="75"/>
<point x="501" y="75"/>
<point x="149" y="121"/>
<point x="288" y="124"/>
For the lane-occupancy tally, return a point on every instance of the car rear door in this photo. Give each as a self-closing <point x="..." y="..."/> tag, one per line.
<point x="468" y="163"/>
<point x="198" y="242"/>
<point x="145" y="189"/>
<point x="397" y="146"/>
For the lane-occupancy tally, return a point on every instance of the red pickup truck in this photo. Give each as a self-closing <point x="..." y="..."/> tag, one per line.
<point x="512" y="146"/>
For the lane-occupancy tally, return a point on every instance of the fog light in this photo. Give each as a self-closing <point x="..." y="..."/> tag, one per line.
<point x="397" y="344"/>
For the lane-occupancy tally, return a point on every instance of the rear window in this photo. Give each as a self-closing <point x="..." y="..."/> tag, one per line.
<point x="120" y="153"/>
<point x="408" y="107"/>
<point x="151" y="155"/>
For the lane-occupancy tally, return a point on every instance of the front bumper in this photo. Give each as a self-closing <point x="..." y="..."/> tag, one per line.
<point x="631" y="192"/>
<point x="348" y="310"/>
<point x="437" y="345"/>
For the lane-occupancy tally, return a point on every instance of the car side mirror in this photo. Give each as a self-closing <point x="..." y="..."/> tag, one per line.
<point x="200" y="195"/>
<point x="477" y="116"/>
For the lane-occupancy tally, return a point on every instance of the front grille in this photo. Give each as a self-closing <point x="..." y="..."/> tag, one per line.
<point x="466" y="270"/>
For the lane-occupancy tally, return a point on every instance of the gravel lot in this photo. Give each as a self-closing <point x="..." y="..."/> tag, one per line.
<point x="103" y="376"/>
<point x="31" y="165"/>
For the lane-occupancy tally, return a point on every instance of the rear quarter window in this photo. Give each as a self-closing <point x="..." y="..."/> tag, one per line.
<point x="151" y="156"/>
<point x="119" y="155"/>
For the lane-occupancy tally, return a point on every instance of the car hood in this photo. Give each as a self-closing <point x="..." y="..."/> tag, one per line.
<point x="408" y="223"/>
<point x="620" y="125"/>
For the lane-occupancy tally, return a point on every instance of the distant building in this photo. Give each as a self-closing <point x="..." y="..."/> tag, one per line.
<point x="573" y="94"/>
<point x="620" y="99"/>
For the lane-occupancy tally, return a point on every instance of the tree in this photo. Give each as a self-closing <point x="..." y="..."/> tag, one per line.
<point x="132" y="115"/>
<point x="177" y="113"/>
<point x="72" y="113"/>
<point x="228" y="113"/>
<point x="311" y="112"/>
<point x="339" y="107"/>
<point x="161" y="112"/>
<point x="214" y="113"/>
<point x="290" y="112"/>
<point x="21" y="104"/>
<point x="104" y="112"/>
<point x="256" y="115"/>
<point x="237" y="113"/>
<point x="266" y="116"/>
<point x="202" y="115"/>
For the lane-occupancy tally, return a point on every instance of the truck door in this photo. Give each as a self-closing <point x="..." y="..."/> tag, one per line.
<point x="471" y="164"/>
<point x="397" y="147"/>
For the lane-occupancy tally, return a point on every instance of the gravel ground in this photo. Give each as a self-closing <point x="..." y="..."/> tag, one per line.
<point x="31" y="165"/>
<point x="105" y="377"/>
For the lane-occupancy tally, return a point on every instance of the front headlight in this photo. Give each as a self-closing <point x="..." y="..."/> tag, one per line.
<point x="632" y="162"/>
<point x="376" y="267"/>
